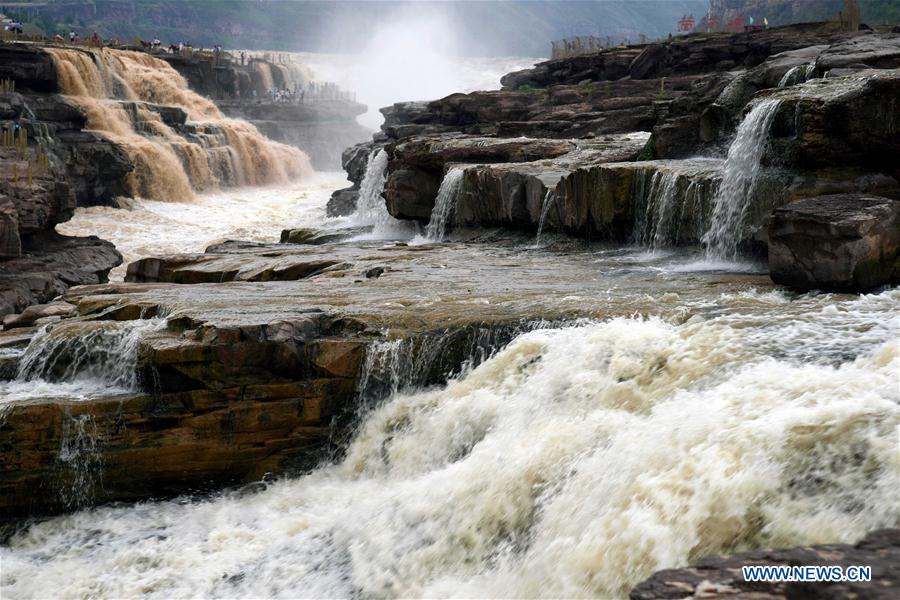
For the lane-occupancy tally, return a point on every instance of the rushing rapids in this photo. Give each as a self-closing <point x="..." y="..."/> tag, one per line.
<point x="121" y="92"/>
<point x="575" y="462"/>
<point x="488" y="418"/>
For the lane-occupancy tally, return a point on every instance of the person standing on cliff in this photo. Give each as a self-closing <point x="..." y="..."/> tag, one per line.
<point x="243" y="56"/>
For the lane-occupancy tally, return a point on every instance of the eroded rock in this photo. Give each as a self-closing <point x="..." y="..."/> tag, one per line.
<point x="844" y="242"/>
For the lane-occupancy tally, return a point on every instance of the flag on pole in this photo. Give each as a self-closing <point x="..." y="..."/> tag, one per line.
<point x="766" y="21"/>
<point x="751" y="20"/>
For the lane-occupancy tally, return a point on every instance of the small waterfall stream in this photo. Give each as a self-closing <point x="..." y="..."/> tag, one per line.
<point x="74" y="362"/>
<point x="444" y="204"/>
<point x="739" y="177"/>
<point x="99" y="356"/>
<point x="370" y="207"/>
<point x="659" y="199"/>
<point x="796" y="75"/>
<point x="549" y="201"/>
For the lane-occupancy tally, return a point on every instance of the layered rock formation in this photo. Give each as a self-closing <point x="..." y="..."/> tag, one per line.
<point x="36" y="193"/>
<point x="835" y="133"/>
<point x="85" y="126"/>
<point x="264" y="372"/>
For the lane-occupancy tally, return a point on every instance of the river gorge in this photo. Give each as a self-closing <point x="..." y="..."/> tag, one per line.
<point x="614" y="329"/>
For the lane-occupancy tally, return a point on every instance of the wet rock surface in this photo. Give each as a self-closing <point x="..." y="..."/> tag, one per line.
<point x="721" y="577"/>
<point x="841" y="242"/>
<point x="49" y="264"/>
<point x="692" y="97"/>
<point x="839" y="122"/>
<point x="354" y="161"/>
<point x="254" y="377"/>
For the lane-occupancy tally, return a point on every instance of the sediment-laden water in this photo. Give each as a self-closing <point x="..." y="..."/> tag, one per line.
<point x="156" y="228"/>
<point x="575" y="462"/>
<point x="119" y="92"/>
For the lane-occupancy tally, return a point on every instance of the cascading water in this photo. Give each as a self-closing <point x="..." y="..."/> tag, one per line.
<point x="652" y="228"/>
<point x="81" y="359"/>
<point x="405" y="364"/>
<point x="444" y="204"/>
<point x="549" y="201"/>
<point x="573" y="463"/>
<point x="110" y="87"/>
<point x="671" y="201"/>
<point x="739" y="177"/>
<point x="370" y="207"/>
<point x="796" y="75"/>
<point x="80" y="460"/>
<point x="76" y="361"/>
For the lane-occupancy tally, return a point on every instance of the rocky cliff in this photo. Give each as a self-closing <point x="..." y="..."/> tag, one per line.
<point x="42" y="182"/>
<point x="819" y="106"/>
<point x="84" y="126"/>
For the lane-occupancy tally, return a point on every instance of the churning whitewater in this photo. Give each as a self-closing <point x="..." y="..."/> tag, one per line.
<point x="575" y="462"/>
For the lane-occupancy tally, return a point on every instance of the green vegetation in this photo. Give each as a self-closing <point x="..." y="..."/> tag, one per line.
<point x="649" y="151"/>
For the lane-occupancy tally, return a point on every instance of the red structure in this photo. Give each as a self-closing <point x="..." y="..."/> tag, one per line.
<point x="686" y="23"/>
<point x="735" y="25"/>
<point x="713" y="23"/>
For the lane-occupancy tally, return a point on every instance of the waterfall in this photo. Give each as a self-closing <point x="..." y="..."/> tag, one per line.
<point x="102" y="353"/>
<point x="796" y="75"/>
<point x="264" y="70"/>
<point x="444" y="204"/>
<point x="573" y="463"/>
<point x="549" y="201"/>
<point x="392" y="366"/>
<point x="80" y="460"/>
<point x="659" y="199"/>
<point x="111" y="87"/>
<point x="370" y="208"/>
<point x="739" y="177"/>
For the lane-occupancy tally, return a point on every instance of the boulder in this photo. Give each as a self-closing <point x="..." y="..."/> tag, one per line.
<point x="838" y="122"/>
<point x="342" y="202"/>
<point x="847" y="242"/>
<point x="49" y="264"/>
<point x="220" y="268"/>
<point x="721" y="577"/>
<point x="317" y="237"/>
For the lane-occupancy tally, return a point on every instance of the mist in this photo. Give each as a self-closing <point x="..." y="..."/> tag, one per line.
<point x="412" y="57"/>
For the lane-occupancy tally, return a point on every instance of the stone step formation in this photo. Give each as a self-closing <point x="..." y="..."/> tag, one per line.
<point x="643" y="169"/>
